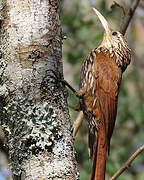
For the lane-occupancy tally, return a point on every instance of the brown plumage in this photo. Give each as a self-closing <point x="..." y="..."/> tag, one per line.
<point x="99" y="88"/>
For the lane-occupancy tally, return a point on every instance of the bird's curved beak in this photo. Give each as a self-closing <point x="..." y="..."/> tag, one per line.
<point x="103" y="21"/>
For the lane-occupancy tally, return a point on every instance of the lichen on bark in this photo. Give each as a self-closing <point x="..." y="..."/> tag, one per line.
<point x="34" y="128"/>
<point x="33" y="104"/>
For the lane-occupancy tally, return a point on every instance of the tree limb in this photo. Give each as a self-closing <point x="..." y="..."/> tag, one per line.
<point x="128" y="163"/>
<point x="128" y="17"/>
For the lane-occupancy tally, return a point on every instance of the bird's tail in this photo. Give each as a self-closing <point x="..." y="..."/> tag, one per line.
<point x="98" y="149"/>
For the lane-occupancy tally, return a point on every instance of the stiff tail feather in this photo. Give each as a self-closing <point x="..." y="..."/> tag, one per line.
<point x="98" y="149"/>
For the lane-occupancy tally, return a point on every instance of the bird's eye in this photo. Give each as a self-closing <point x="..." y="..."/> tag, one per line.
<point x="114" y="33"/>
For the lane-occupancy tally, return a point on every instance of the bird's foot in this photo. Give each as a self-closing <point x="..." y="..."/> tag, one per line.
<point x="80" y="93"/>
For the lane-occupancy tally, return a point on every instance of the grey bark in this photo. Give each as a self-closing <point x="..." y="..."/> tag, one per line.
<point x="33" y="107"/>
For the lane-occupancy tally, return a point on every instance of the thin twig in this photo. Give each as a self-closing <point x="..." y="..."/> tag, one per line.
<point x="77" y="123"/>
<point x="128" y="163"/>
<point x="128" y="17"/>
<point x="115" y="4"/>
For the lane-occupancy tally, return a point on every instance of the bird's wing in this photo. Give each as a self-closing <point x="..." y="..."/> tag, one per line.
<point x="108" y="77"/>
<point x="102" y="92"/>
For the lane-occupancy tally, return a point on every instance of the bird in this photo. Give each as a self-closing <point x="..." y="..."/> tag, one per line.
<point x="100" y="80"/>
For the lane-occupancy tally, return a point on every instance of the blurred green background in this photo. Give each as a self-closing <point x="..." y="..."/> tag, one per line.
<point x="84" y="32"/>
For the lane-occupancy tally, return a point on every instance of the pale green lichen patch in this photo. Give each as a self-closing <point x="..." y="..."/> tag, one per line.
<point x="35" y="130"/>
<point x="43" y="126"/>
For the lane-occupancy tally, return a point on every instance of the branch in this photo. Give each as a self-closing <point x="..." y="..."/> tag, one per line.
<point x="115" y="4"/>
<point x="128" y="17"/>
<point x="77" y="123"/>
<point x="128" y="163"/>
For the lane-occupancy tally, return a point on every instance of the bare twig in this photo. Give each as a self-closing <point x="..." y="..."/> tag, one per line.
<point x="128" y="17"/>
<point x="115" y="4"/>
<point x="128" y="163"/>
<point x="77" y="123"/>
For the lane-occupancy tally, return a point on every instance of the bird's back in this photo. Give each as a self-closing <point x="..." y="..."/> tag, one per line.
<point x="100" y="79"/>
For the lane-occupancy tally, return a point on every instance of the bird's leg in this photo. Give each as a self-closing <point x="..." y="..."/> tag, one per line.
<point x="78" y="122"/>
<point x="68" y="85"/>
<point x="58" y="78"/>
<point x="80" y="93"/>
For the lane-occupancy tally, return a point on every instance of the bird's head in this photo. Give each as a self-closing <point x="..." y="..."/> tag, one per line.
<point x="114" y="41"/>
<point x="111" y="37"/>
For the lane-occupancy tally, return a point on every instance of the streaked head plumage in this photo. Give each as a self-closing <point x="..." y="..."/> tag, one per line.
<point x="115" y="42"/>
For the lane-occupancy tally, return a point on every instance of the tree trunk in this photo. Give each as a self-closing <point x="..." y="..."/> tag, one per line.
<point x="33" y="107"/>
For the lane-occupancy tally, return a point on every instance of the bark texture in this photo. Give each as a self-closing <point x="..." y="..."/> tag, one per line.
<point x="33" y="104"/>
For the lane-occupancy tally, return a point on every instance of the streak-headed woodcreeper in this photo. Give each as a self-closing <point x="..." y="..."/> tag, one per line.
<point x="101" y="76"/>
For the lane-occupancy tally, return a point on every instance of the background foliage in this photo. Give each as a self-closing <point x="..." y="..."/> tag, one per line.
<point x="84" y="32"/>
